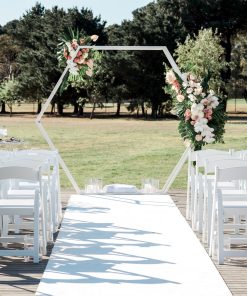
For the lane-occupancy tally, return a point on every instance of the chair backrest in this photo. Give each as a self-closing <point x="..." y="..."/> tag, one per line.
<point x="204" y="154"/>
<point x="241" y="154"/>
<point x="236" y="173"/>
<point x="194" y="155"/>
<point x="50" y="156"/>
<point x="19" y="172"/>
<point x="221" y="161"/>
<point x="5" y="155"/>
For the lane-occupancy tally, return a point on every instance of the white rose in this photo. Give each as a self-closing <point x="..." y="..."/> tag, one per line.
<point x="180" y="98"/>
<point x="170" y="77"/>
<point x="200" y="106"/>
<point x="189" y="90"/>
<point x="192" y="83"/>
<point x="197" y="91"/>
<point x="192" y="97"/>
<point x="185" y="84"/>
<point x="209" y="140"/>
<point x="193" y="107"/>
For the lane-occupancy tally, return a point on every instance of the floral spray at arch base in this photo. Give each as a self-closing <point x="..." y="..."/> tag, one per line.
<point x="201" y="113"/>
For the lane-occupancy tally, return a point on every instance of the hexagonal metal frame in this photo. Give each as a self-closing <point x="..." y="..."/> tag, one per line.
<point x="45" y="135"/>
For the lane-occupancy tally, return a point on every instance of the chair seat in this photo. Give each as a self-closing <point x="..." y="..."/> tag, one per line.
<point x="27" y="193"/>
<point x="235" y="204"/>
<point x="237" y="194"/>
<point x="10" y="206"/>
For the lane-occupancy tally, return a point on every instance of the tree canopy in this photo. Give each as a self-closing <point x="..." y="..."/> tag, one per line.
<point x="29" y="46"/>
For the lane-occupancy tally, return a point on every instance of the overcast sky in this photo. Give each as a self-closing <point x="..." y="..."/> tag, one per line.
<point x="112" y="11"/>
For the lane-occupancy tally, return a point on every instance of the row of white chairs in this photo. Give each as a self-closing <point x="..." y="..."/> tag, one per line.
<point x="30" y="205"/>
<point x="217" y="199"/>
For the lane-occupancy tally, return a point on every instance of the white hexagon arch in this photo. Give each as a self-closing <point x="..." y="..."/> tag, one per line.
<point x="45" y="135"/>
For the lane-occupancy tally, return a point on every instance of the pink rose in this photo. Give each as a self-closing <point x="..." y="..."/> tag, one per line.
<point x="85" y="50"/>
<point x="187" y="114"/>
<point x="176" y="86"/>
<point x="89" y="72"/>
<point x="90" y="63"/>
<point x="79" y="60"/>
<point x="208" y="113"/>
<point x="74" y="44"/>
<point x="204" y="102"/>
<point x="198" y="138"/>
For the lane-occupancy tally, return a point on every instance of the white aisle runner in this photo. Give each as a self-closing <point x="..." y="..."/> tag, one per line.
<point x="127" y="245"/>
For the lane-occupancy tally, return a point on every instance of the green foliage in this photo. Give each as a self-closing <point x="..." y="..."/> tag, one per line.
<point x="8" y="53"/>
<point x="202" y="55"/>
<point x="9" y="94"/>
<point x="238" y="83"/>
<point x="38" y="32"/>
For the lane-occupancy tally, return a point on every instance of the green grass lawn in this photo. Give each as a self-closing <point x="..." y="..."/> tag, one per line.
<point x="116" y="150"/>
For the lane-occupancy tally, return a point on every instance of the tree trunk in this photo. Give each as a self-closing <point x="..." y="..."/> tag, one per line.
<point x="143" y="109"/>
<point x="60" y="109"/>
<point x="137" y="112"/>
<point x="39" y="107"/>
<point x="226" y="74"/>
<point x="80" y="111"/>
<point x="53" y="105"/>
<point x="118" y="109"/>
<point x="10" y="110"/>
<point x="3" y="110"/>
<point x="92" y="113"/>
<point x="161" y="111"/>
<point x="76" y="109"/>
<point x="154" y="111"/>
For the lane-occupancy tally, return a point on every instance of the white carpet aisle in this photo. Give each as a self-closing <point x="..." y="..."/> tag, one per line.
<point x="127" y="245"/>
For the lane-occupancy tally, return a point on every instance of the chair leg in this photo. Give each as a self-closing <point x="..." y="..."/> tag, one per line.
<point x="212" y="227"/>
<point x="5" y="225"/>
<point x="36" y="229"/>
<point x="220" y="230"/>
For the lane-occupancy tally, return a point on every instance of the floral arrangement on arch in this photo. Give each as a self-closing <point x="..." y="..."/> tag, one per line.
<point x="80" y="61"/>
<point x="200" y="111"/>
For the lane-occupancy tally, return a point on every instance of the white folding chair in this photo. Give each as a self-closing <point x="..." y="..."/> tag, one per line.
<point x="25" y="207"/>
<point x="208" y="185"/>
<point x="195" y="185"/>
<point x="226" y="204"/>
<point x="53" y="180"/>
<point x="15" y="190"/>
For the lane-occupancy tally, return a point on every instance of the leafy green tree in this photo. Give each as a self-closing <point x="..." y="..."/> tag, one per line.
<point x="38" y="32"/>
<point x="9" y="94"/>
<point x="203" y="56"/>
<point x="227" y="16"/>
<point x="8" y="66"/>
<point x="237" y="86"/>
<point x="142" y="72"/>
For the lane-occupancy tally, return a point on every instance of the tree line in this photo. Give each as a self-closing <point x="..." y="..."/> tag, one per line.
<point x="29" y="67"/>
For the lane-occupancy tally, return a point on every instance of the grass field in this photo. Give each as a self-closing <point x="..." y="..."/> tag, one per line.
<point x="116" y="150"/>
